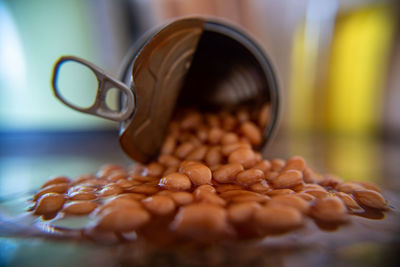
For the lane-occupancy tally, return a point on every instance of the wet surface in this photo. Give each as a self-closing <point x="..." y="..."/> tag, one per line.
<point x="371" y="238"/>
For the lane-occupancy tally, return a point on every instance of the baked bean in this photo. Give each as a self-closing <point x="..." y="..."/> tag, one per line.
<point x="229" y="138"/>
<point x="330" y="209"/>
<point x="370" y="186"/>
<point x="82" y="196"/>
<point x="244" y="156"/>
<point x="186" y="163"/>
<point x="201" y="220"/>
<point x="191" y="121"/>
<point x="130" y="196"/>
<point x="277" y="192"/>
<point x="229" y="148"/>
<point x="288" y="179"/>
<point x="277" y="164"/>
<point x="110" y="190"/>
<point x="264" y="115"/>
<point x="229" y="122"/>
<point x="260" y="187"/>
<point x="159" y="205"/>
<point x="141" y="179"/>
<point x="205" y="187"/>
<point x="215" y="167"/>
<point x="243" y="115"/>
<point x="237" y="193"/>
<point x="169" y="145"/>
<point x="317" y="193"/>
<point x="250" y="176"/>
<point x="258" y="157"/>
<point x="82" y="178"/>
<point x="195" y="141"/>
<point x="185" y="137"/>
<point x="278" y="218"/>
<point x="124" y="184"/>
<point x="49" y="203"/>
<point x="202" y="134"/>
<point x="370" y="198"/>
<point x="263" y="165"/>
<point x="250" y="198"/>
<point x="295" y="163"/>
<point x="330" y="181"/>
<point x="244" y="140"/>
<point x="214" y="135"/>
<point x="96" y="182"/>
<point x="198" y="173"/>
<point x="242" y="212"/>
<point x="168" y="160"/>
<point x="291" y="200"/>
<point x="57" y="180"/>
<point x="299" y="187"/>
<point x="306" y="196"/>
<point x="184" y="149"/>
<point x="137" y="170"/>
<point x="81" y="189"/>
<point x="176" y="182"/>
<point x="213" y="156"/>
<point x="122" y="219"/>
<point x="145" y="189"/>
<point x="310" y="176"/>
<point x="270" y="176"/>
<point x="227" y="187"/>
<point x="209" y="197"/>
<point x="312" y="186"/>
<point x="227" y="173"/>
<point x="118" y="202"/>
<point x="348" y="200"/>
<point x="107" y="169"/>
<point x="170" y="170"/>
<point x="164" y="193"/>
<point x="117" y="175"/>
<point x="182" y="198"/>
<point x="349" y="187"/>
<point x="79" y="207"/>
<point x="251" y="132"/>
<point x="53" y="188"/>
<point x="212" y="120"/>
<point x="155" y="169"/>
<point x="198" y="153"/>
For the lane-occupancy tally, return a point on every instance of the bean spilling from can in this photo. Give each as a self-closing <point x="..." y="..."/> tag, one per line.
<point x="208" y="183"/>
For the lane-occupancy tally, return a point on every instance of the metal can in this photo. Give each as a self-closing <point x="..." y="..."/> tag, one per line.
<point x="188" y="62"/>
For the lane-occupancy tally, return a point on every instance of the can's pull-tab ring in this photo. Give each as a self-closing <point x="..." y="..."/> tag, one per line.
<point x="105" y="83"/>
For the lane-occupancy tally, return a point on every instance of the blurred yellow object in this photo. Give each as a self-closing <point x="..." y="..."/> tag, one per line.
<point x="358" y="68"/>
<point x="344" y="92"/>
<point x="355" y="158"/>
<point x="302" y="91"/>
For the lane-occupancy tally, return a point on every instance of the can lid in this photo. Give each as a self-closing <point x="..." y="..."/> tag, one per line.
<point x="157" y="74"/>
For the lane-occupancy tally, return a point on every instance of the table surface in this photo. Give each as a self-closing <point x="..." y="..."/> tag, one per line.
<point x="29" y="159"/>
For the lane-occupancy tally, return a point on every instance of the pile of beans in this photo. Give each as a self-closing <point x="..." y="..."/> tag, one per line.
<point x="208" y="183"/>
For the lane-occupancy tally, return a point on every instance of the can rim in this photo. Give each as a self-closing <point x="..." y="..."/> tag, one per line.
<point x="231" y="31"/>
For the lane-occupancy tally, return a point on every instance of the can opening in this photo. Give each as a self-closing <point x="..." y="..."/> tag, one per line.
<point x="224" y="74"/>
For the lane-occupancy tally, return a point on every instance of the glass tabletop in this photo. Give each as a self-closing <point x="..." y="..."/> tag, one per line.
<point x="25" y="163"/>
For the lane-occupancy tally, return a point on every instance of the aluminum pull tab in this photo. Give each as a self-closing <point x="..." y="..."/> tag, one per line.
<point x="105" y="83"/>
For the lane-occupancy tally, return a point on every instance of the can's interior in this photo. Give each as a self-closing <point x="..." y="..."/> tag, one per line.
<point x="224" y="73"/>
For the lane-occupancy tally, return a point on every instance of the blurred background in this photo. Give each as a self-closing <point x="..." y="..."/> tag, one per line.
<point x="337" y="63"/>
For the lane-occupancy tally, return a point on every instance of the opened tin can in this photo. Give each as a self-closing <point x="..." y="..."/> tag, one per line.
<point x="192" y="62"/>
